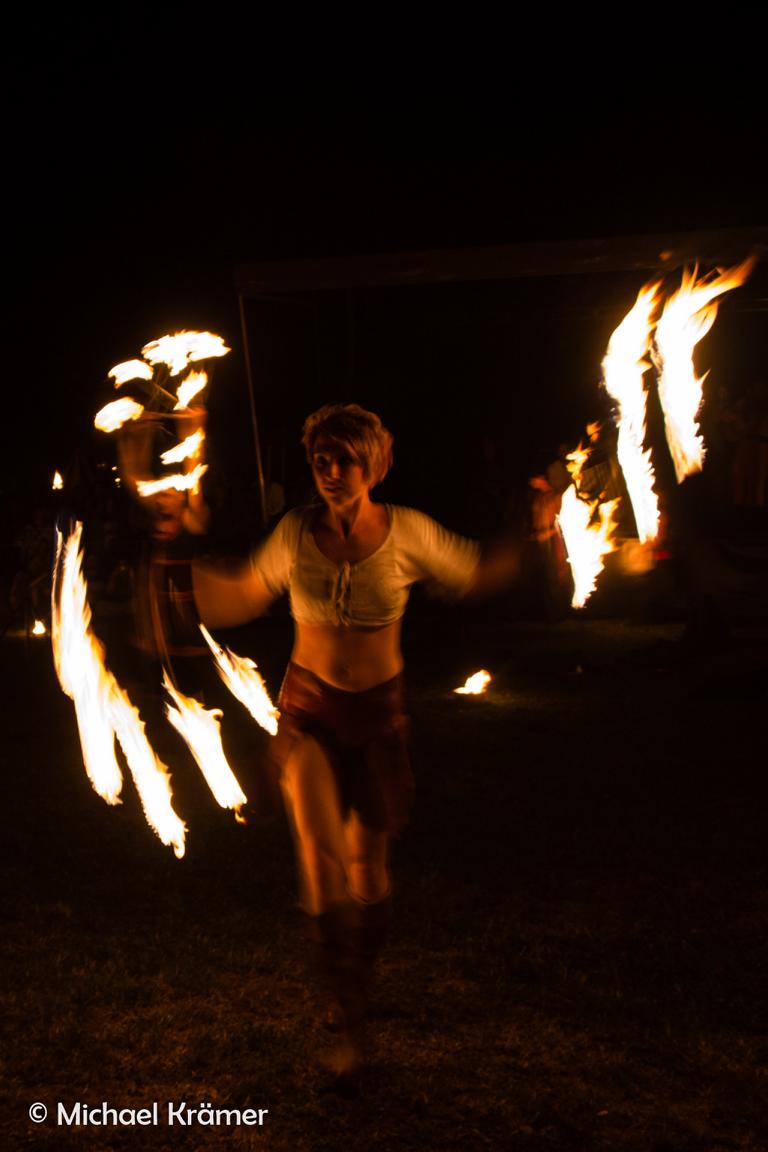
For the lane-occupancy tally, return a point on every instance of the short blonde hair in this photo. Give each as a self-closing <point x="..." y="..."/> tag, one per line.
<point x="359" y="430"/>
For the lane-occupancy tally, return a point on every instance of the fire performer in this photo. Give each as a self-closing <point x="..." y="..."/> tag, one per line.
<point x="166" y="620"/>
<point x="348" y="564"/>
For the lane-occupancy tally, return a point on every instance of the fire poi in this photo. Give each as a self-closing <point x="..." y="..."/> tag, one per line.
<point x="103" y="710"/>
<point x="588" y="524"/>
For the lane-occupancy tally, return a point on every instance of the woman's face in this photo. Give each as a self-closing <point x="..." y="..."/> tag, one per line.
<point x="339" y="474"/>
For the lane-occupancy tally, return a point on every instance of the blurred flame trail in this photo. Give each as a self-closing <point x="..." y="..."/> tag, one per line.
<point x="130" y="370"/>
<point x="474" y="685"/>
<point x="623" y="369"/>
<point x="200" y="730"/>
<point x="102" y="708"/>
<point x="181" y="481"/>
<point x="687" y="317"/>
<point x="586" y="540"/>
<point x="241" y="676"/>
<point x="190" y="386"/>
<point x="150" y="775"/>
<point x="188" y="449"/>
<point x="78" y="660"/>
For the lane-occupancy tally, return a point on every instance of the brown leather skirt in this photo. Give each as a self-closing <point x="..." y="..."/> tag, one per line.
<point x="363" y="734"/>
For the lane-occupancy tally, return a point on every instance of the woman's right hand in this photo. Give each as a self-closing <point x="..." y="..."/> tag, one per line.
<point x="227" y="596"/>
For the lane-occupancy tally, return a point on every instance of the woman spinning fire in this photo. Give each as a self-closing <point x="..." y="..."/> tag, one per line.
<point x="347" y="565"/>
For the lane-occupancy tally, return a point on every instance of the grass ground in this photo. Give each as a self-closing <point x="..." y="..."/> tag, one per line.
<point x="578" y="959"/>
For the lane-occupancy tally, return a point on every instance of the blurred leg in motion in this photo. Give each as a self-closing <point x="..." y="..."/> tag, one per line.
<point x="345" y="888"/>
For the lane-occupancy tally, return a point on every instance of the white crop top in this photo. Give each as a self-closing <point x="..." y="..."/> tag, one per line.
<point x="371" y="592"/>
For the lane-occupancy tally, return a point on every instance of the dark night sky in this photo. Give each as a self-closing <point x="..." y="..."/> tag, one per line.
<point x="146" y="164"/>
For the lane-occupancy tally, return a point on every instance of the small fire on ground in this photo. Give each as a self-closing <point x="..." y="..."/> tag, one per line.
<point x="475" y="685"/>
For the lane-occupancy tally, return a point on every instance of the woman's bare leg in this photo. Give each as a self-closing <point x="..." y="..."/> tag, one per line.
<point x="366" y="861"/>
<point x="346" y="885"/>
<point x="314" y="808"/>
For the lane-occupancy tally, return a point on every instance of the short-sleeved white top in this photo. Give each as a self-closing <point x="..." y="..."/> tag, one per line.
<point x="372" y="592"/>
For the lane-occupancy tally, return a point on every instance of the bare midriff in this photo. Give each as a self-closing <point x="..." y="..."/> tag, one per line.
<point x="350" y="658"/>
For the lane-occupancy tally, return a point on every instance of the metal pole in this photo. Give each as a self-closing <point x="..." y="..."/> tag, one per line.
<point x="257" y="446"/>
<point x="350" y="302"/>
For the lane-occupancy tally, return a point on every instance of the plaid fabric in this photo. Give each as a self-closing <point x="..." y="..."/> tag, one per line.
<point x="363" y="734"/>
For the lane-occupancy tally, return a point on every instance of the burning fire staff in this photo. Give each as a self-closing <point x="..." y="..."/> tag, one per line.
<point x="347" y="564"/>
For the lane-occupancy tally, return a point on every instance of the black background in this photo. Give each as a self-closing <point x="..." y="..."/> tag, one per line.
<point x="148" y="156"/>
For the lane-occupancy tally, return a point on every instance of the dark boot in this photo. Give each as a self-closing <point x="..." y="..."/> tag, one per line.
<point x="332" y="936"/>
<point x="346" y="940"/>
<point x="372" y="930"/>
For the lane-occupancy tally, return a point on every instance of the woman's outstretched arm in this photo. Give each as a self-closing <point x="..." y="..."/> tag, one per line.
<point x="498" y="568"/>
<point x="229" y="595"/>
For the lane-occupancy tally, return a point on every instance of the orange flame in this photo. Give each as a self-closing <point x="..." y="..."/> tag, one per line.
<point x="130" y="370"/>
<point x="190" y="386"/>
<point x="686" y="318"/>
<point x="586" y="540"/>
<point x="187" y="450"/>
<point x="78" y="659"/>
<point x="623" y="369"/>
<point x="113" y="415"/>
<point x="180" y="481"/>
<point x="179" y="350"/>
<point x="242" y="677"/>
<point x="474" y="685"/>
<point x="58" y="482"/>
<point x="39" y="629"/>
<point x="150" y="775"/>
<point x="200" y="729"/>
